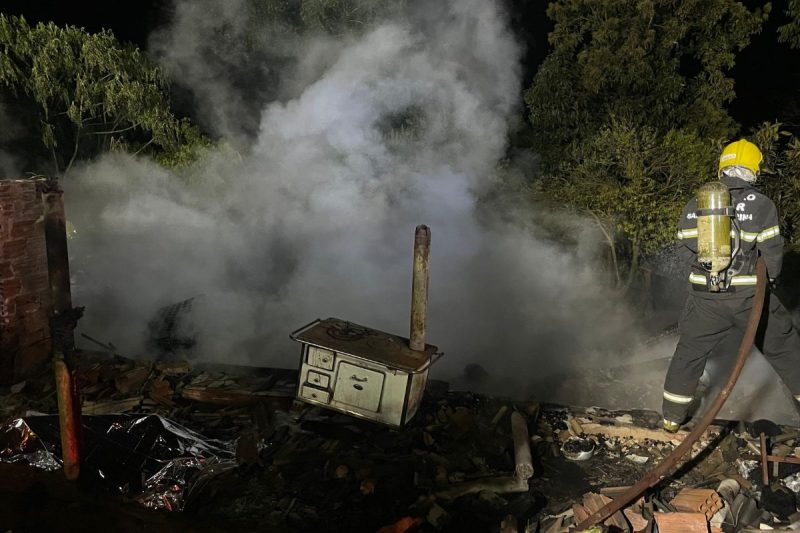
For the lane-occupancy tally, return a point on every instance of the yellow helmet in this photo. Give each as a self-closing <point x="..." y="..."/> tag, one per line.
<point x="741" y="153"/>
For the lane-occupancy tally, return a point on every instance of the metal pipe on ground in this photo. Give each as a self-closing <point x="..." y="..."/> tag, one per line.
<point x="419" y="288"/>
<point x="660" y="471"/>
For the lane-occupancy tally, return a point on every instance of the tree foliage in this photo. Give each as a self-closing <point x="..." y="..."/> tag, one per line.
<point x="633" y="181"/>
<point x="629" y="110"/>
<point x="780" y="176"/>
<point x="653" y="63"/>
<point x="89" y="92"/>
<point x="790" y="32"/>
<point x="331" y="16"/>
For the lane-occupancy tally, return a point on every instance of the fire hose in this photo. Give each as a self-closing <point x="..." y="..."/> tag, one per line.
<point x="659" y="472"/>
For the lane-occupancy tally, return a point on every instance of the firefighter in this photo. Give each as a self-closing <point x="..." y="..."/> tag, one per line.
<point x="712" y="312"/>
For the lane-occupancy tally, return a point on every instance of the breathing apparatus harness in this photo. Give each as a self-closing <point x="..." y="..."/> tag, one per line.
<point x="717" y="223"/>
<point x="716" y="228"/>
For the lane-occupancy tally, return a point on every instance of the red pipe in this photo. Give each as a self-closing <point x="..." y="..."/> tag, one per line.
<point x="67" y="417"/>
<point x="62" y="325"/>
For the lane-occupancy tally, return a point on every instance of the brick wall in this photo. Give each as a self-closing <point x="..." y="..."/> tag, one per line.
<point x="25" y="301"/>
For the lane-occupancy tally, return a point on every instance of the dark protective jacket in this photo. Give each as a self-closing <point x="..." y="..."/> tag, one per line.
<point x="759" y="234"/>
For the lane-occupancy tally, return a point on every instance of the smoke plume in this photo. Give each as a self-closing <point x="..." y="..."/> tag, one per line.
<point x="314" y="217"/>
<point x="333" y="154"/>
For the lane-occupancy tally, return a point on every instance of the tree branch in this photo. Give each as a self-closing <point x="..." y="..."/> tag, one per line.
<point x="611" y="245"/>
<point x="113" y="131"/>
<point x="74" y="151"/>
<point x="56" y="168"/>
<point x="145" y="145"/>
<point x="634" y="264"/>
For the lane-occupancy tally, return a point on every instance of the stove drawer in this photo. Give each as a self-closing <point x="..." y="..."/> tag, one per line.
<point x="315" y="394"/>
<point x="318" y="380"/>
<point x="320" y="358"/>
<point x="358" y="387"/>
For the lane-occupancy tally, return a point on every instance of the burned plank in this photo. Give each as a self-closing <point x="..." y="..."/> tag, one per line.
<point x="231" y="397"/>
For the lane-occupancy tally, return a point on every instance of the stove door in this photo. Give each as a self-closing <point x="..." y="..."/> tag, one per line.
<point x="358" y="387"/>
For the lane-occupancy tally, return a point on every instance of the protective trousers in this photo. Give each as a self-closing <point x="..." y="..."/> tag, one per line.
<point x="705" y="322"/>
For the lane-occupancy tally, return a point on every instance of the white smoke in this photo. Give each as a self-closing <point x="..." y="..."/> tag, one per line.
<point x="370" y="135"/>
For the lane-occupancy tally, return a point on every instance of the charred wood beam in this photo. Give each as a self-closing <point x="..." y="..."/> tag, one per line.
<point x="504" y="484"/>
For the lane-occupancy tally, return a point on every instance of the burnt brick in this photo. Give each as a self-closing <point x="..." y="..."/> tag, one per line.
<point x="5" y="270"/>
<point x="8" y="310"/>
<point x="11" y="288"/>
<point x="24" y="229"/>
<point x="25" y="301"/>
<point x="13" y="249"/>
<point x="27" y="304"/>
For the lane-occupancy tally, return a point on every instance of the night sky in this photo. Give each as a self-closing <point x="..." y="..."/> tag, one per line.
<point x="130" y="21"/>
<point x="767" y="73"/>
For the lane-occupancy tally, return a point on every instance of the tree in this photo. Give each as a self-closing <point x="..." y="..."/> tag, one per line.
<point x="628" y="112"/>
<point x="780" y="176"/>
<point x="790" y="32"/>
<point x="633" y="182"/>
<point x="89" y="92"/>
<point x="653" y="63"/>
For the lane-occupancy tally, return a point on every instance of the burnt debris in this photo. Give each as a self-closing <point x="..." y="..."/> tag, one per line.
<point x="226" y="445"/>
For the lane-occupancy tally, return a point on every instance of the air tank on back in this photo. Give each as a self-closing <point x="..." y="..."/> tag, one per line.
<point x="714" y="228"/>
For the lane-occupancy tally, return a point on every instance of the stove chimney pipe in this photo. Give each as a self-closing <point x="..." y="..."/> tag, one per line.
<point x="419" y="288"/>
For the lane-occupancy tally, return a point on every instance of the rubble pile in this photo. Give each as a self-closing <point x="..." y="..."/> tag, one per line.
<point x="211" y="396"/>
<point x="230" y="444"/>
<point x="721" y="486"/>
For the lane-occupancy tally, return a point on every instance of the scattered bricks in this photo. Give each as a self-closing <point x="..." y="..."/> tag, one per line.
<point x="681" y="523"/>
<point x="593" y="502"/>
<point x="638" y="522"/>
<point x="705" y="501"/>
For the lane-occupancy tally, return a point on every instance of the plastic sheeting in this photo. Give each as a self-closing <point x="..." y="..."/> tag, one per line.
<point x="19" y="444"/>
<point x="148" y="458"/>
<point x="792" y="482"/>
